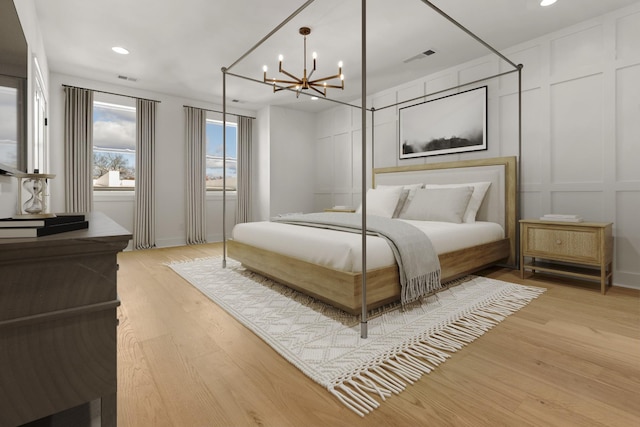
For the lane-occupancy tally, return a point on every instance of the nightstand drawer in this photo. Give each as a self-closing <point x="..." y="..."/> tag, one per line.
<point x="583" y="244"/>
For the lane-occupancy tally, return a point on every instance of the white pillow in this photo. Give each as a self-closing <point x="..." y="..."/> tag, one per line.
<point x="479" y="191"/>
<point x="441" y="204"/>
<point x="382" y="202"/>
<point x="405" y="196"/>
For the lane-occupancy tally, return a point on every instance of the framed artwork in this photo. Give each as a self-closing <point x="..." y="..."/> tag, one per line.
<point x="451" y="124"/>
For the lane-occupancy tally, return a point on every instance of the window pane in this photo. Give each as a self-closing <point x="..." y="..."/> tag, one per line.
<point x="9" y="126"/>
<point x="214" y="155"/>
<point x="114" y="145"/>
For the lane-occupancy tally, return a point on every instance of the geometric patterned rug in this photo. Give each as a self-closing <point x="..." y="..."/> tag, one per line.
<point x="325" y="343"/>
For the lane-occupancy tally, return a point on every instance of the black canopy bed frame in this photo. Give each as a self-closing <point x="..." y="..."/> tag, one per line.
<point x="504" y="251"/>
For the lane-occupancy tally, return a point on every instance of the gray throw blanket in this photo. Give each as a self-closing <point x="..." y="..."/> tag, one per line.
<point x="418" y="263"/>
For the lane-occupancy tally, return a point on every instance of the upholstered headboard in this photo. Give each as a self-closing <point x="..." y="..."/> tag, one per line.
<point x="500" y="202"/>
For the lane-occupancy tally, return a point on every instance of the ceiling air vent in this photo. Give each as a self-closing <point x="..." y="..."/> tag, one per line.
<point x="421" y="55"/>
<point x="131" y="79"/>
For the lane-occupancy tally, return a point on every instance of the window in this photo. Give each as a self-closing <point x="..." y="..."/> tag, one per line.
<point x="114" y="146"/>
<point x="11" y="122"/>
<point x="214" y="155"/>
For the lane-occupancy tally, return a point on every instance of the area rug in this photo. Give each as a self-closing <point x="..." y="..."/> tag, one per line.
<point x="325" y="343"/>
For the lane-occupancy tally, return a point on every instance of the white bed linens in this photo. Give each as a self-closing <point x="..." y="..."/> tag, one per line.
<point x="342" y="251"/>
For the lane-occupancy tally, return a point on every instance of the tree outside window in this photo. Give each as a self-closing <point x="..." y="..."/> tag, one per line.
<point x="114" y="146"/>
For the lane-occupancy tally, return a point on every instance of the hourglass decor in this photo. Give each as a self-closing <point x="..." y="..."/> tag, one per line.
<point x="33" y="194"/>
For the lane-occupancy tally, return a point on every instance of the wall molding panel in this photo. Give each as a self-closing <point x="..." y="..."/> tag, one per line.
<point x="581" y="121"/>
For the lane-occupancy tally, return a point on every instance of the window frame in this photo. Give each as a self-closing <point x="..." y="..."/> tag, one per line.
<point x="229" y="123"/>
<point x="21" y="150"/>
<point x="124" y="103"/>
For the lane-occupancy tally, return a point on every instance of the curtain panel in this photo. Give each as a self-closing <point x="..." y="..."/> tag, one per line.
<point x="245" y="131"/>
<point x="196" y="148"/>
<point x="78" y="149"/>
<point x="144" y="224"/>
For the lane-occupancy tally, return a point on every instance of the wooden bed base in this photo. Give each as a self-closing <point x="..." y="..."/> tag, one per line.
<point x="343" y="289"/>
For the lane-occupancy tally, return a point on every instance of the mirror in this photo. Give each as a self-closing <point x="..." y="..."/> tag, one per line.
<point x="14" y="56"/>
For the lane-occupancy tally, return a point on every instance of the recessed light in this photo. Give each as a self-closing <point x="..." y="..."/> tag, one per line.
<point x="547" y="2"/>
<point x="313" y="98"/>
<point x="120" y="50"/>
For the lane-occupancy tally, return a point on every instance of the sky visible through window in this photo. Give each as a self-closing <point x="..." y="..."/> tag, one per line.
<point x="114" y="141"/>
<point x="214" y="154"/>
<point x="114" y="145"/>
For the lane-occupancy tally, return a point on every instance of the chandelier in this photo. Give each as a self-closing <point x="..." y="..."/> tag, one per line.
<point x="298" y="84"/>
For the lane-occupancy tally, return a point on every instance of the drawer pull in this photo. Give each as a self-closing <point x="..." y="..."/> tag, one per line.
<point x="558" y="242"/>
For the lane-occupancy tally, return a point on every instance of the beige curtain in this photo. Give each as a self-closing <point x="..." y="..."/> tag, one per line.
<point x="196" y="146"/>
<point x="144" y="224"/>
<point x="78" y="149"/>
<point x="243" y="210"/>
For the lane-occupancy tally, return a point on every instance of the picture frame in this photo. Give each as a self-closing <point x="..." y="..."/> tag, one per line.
<point x="454" y="123"/>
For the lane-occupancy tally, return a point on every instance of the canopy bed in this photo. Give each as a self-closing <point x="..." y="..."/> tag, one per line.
<point x="329" y="268"/>
<point x="365" y="287"/>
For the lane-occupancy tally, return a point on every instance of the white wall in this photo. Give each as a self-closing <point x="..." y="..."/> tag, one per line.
<point x="292" y="143"/>
<point x="170" y="165"/>
<point x="261" y="169"/>
<point x="338" y="154"/>
<point x="581" y="121"/>
<point x="283" y="162"/>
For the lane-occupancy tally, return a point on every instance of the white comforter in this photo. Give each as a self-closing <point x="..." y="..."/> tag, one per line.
<point x="343" y="251"/>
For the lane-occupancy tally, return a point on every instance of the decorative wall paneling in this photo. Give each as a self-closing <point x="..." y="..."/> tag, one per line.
<point x="581" y="121"/>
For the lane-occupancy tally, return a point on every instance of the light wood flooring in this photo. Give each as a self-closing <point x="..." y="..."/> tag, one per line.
<point x="569" y="358"/>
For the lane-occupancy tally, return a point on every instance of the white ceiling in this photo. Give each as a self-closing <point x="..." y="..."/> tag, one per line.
<point x="179" y="47"/>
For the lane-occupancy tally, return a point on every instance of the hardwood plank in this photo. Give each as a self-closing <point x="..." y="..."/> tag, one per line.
<point x="565" y="359"/>
<point x="138" y="401"/>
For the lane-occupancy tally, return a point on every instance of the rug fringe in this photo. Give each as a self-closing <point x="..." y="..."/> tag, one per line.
<point x="357" y="390"/>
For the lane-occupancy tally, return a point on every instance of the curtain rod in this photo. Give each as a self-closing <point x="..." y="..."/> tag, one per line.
<point x="112" y="93"/>
<point x="216" y="111"/>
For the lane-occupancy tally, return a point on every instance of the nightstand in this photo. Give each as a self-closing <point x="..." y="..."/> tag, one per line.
<point x="578" y="249"/>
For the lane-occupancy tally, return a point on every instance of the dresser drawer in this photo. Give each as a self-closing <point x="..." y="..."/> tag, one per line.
<point x="572" y="245"/>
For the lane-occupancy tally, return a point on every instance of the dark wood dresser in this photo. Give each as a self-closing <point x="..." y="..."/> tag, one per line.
<point x="58" y="322"/>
